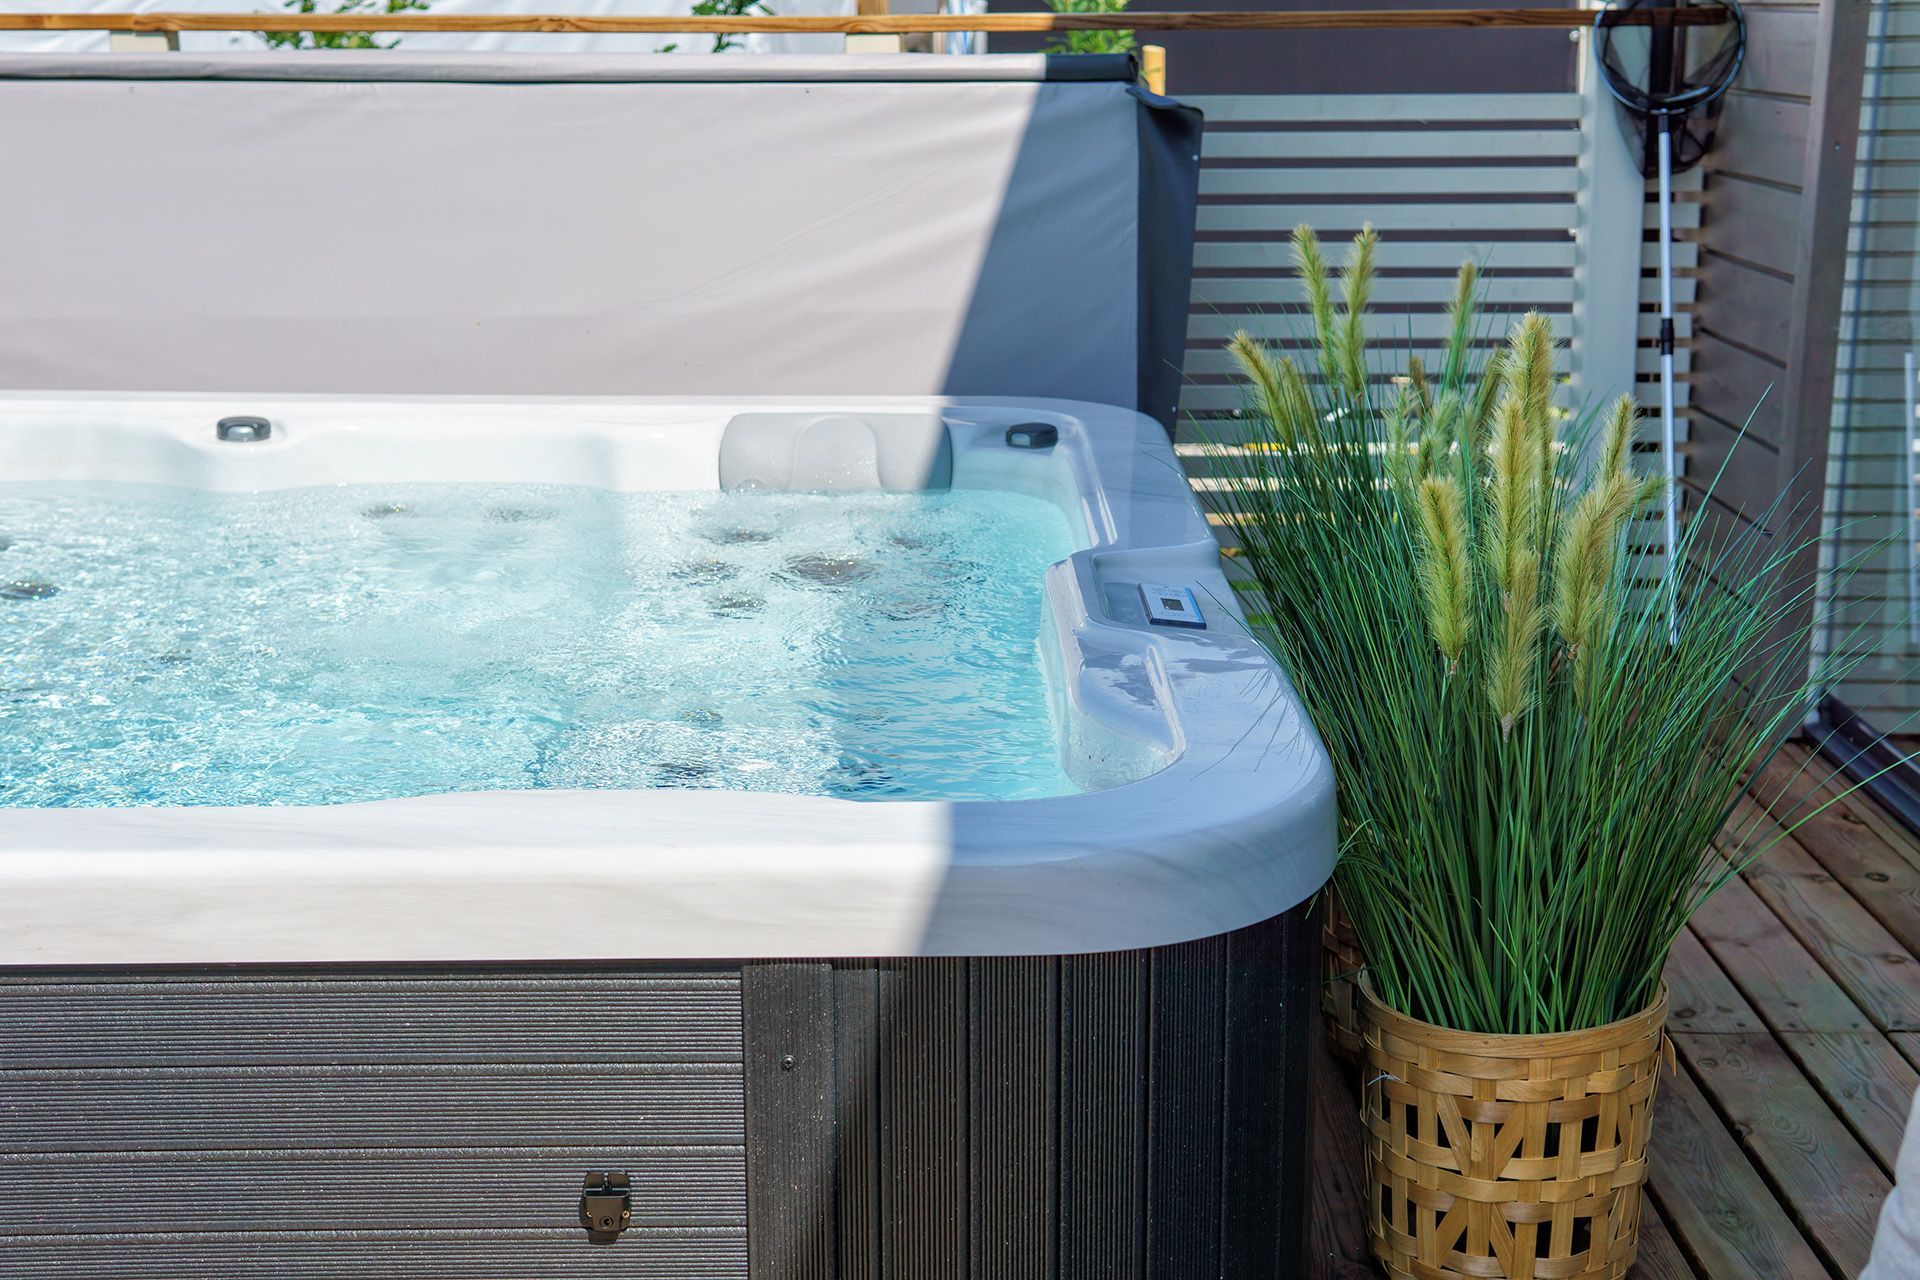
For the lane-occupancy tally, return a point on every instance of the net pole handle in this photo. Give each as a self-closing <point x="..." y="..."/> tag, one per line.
<point x="1910" y="438"/>
<point x="1668" y="459"/>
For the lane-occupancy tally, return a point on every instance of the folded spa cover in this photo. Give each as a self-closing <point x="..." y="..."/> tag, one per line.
<point x="584" y="224"/>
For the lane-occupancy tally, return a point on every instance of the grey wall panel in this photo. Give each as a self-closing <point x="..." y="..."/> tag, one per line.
<point x="856" y="1121"/>
<point x="426" y="1254"/>
<point x="1187" y="1091"/>
<point x="317" y="1107"/>
<point x="1103" y="1124"/>
<point x="399" y="1122"/>
<point x="1127" y="1116"/>
<point x="1013" y="1138"/>
<point x="1773" y="253"/>
<point x="78" y="1020"/>
<point x="1737" y="386"/>
<point x="787" y="1012"/>
<point x="175" y="1193"/>
<point x="921" y="1083"/>
<point x="1133" y="1115"/>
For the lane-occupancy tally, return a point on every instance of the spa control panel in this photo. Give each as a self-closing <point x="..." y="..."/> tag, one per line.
<point x="1171" y="606"/>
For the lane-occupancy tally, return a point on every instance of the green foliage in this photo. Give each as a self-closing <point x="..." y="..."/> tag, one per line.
<point x="1533" y="770"/>
<point x="723" y="9"/>
<point x="1090" y="41"/>
<point x="337" y="39"/>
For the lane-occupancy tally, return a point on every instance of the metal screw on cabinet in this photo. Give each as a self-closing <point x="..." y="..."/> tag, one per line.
<point x="788" y="1063"/>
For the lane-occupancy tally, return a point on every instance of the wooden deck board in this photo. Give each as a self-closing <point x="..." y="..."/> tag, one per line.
<point x="1865" y="1080"/>
<point x="1796" y="1020"/>
<point x="1661" y="1257"/>
<point x="1721" y="1209"/>
<point x="1832" y="1187"/>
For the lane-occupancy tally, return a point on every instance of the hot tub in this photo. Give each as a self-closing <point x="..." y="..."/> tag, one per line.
<point x="1025" y="995"/>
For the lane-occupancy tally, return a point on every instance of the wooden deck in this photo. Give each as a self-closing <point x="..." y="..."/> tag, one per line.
<point x="1796" y="1017"/>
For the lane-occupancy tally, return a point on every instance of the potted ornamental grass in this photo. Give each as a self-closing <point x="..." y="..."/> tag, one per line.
<point x="1539" y="736"/>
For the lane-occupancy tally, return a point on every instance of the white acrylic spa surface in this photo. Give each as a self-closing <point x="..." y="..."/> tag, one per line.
<point x="1164" y="782"/>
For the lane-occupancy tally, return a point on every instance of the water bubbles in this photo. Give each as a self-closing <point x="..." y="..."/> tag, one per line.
<point x="737" y="606"/>
<point x="829" y="570"/>
<point x="28" y="589"/>
<point x="736" y="537"/>
<point x="386" y="510"/>
<point x="520" y="515"/>
<point x="703" y="572"/>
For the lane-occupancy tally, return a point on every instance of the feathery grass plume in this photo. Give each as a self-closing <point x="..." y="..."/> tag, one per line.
<point x="1446" y="573"/>
<point x="1618" y="440"/>
<point x="1438" y="436"/>
<point x="1530" y="373"/>
<point x="1529" y="377"/>
<point x="1310" y="265"/>
<point x="1516" y="654"/>
<point x="1512" y="495"/>
<point x="1405" y="462"/>
<point x="1588" y="560"/>
<point x="1485" y="397"/>
<point x="1297" y="396"/>
<point x="1461" y="310"/>
<point x="1262" y="372"/>
<point x="1418" y="384"/>
<point x="1356" y="285"/>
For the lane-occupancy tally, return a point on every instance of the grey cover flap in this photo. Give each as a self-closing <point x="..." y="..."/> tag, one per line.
<point x="588" y="224"/>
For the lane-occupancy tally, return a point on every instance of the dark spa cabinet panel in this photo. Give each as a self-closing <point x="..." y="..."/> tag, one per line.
<point x="1129" y="1114"/>
<point x="1132" y="1114"/>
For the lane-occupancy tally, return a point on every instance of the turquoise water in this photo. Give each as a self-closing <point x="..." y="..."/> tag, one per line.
<point x="163" y="646"/>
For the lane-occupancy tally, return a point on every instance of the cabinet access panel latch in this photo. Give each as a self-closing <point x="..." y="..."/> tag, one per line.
<point x="606" y="1206"/>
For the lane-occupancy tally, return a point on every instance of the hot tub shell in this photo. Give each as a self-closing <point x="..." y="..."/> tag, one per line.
<point x="1062" y="1037"/>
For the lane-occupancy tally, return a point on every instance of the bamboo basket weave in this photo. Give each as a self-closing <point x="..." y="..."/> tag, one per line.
<point x="1340" y="963"/>
<point x="1520" y="1157"/>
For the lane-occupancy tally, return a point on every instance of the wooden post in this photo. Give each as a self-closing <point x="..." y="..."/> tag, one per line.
<point x="143" y="41"/>
<point x="874" y="43"/>
<point x="1819" y="272"/>
<point x="1153" y="67"/>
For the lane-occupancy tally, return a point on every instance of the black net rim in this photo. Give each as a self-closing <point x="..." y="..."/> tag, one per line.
<point x="1643" y="102"/>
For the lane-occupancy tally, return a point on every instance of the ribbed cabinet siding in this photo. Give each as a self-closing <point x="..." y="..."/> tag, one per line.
<point x="368" y="1123"/>
<point x="1122" y="1116"/>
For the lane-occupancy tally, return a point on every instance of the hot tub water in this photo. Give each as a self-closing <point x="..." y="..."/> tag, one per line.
<point x="166" y="646"/>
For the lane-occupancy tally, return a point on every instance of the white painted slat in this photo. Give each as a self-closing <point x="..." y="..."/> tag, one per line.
<point x="1409" y="144"/>
<point x="1391" y="291"/>
<point x="1406" y="180"/>
<point x="1207" y="357"/>
<point x="1893" y="144"/>
<point x="1228" y="398"/>
<point x="1389" y="330"/>
<point x="1413" y="218"/>
<point x="1493" y="108"/>
<point x="1537" y="255"/>
<point x="1407" y="218"/>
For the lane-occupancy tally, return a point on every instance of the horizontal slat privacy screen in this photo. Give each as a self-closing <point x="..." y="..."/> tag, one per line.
<point x="1500" y="178"/>
<point x="1869" y="508"/>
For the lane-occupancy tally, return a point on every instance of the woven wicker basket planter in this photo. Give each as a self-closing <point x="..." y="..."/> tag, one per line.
<point x="1519" y="1157"/>
<point x="1340" y="964"/>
